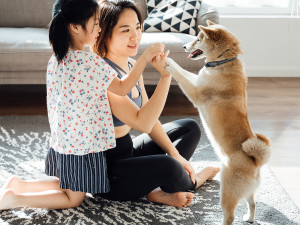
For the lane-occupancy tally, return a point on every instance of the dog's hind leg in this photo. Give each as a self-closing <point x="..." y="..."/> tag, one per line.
<point x="228" y="202"/>
<point x="228" y="211"/>
<point x="250" y="216"/>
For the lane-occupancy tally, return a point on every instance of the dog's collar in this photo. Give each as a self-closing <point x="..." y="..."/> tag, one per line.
<point x="216" y="63"/>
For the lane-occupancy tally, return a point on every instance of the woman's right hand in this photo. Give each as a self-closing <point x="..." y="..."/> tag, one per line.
<point x="153" y="51"/>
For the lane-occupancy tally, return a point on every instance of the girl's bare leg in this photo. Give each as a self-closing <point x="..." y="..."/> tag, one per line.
<point x="47" y="199"/>
<point x="19" y="186"/>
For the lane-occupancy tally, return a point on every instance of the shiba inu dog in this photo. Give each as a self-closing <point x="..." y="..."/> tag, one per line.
<point x="219" y="93"/>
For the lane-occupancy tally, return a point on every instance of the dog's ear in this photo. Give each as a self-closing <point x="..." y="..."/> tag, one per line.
<point x="208" y="33"/>
<point x="209" y="23"/>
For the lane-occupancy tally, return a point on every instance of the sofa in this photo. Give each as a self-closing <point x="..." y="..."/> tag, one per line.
<point x="25" y="48"/>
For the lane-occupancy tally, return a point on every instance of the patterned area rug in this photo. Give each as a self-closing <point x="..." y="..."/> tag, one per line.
<point x="23" y="146"/>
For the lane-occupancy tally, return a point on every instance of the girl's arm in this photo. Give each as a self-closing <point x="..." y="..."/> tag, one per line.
<point x="123" y="86"/>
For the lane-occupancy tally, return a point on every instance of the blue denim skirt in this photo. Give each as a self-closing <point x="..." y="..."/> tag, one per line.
<point x="85" y="173"/>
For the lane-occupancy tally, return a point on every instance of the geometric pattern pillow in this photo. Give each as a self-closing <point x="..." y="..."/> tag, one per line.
<point x="172" y="16"/>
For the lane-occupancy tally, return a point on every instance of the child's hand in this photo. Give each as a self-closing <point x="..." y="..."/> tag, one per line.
<point x="159" y="63"/>
<point x="154" y="50"/>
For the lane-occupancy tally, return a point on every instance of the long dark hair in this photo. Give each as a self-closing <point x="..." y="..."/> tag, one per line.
<point x="110" y="11"/>
<point x="67" y="12"/>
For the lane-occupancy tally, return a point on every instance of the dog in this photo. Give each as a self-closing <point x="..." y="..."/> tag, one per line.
<point x="219" y="93"/>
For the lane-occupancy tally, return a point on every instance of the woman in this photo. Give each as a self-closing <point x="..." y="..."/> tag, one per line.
<point x="140" y="166"/>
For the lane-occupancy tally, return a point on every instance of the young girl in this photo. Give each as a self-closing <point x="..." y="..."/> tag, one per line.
<point x="79" y="113"/>
<point x="140" y="167"/>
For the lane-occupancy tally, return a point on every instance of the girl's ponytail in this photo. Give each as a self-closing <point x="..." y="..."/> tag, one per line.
<point x="59" y="36"/>
<point x="64" y="13"/>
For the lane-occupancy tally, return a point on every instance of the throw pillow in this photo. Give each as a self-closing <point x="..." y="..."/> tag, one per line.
<point x="172" y="16"/>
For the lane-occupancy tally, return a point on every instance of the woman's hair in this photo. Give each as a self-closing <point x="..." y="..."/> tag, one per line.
<point x="67" y="12"/>
<point x="110" y="11"/>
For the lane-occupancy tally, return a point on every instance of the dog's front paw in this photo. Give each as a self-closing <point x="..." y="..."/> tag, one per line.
<point x="171" y="65"/>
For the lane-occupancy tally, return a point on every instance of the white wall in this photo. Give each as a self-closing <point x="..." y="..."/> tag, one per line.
<point x="271" y="45"/>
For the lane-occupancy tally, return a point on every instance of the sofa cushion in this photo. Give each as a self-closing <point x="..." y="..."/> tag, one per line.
<point x="172" y="16"/>
<point x="24" y="49"/>
<point x="25" y="13"/>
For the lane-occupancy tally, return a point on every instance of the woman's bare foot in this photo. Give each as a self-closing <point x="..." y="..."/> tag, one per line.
<point x="7" y="200"/>
<point x="177" y="199"/>
<point x="15" y="184"/>
<point x="207" y="173"/>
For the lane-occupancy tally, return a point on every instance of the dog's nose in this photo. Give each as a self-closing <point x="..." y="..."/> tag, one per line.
<point x="184" y="47"/>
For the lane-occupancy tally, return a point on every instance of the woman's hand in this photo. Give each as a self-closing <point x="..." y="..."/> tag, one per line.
<point x="159" y="63"/>
<point x="187" y="166"/>
<point x="154" y="50"/>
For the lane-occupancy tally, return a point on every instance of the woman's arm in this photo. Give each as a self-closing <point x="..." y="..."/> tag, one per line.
<point x="145" y="118"/>
<point x="159" y="136"/>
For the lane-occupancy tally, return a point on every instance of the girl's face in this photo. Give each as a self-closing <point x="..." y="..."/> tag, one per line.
<point x="90" y="34"/>
<point x="126" y="35"/>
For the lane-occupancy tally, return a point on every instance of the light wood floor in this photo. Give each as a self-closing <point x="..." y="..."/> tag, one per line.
<point x="274" y="110"/>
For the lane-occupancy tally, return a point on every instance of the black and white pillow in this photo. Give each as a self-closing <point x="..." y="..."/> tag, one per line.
<point x="172" y="16"/>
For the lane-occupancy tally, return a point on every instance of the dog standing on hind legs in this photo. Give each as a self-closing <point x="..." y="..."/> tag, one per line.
<point x="219" y="93"/>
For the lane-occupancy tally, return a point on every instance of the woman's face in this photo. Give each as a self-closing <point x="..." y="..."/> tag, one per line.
<point x="126" y="35"/>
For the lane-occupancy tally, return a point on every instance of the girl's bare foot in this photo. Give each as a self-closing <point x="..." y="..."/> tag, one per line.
<point x="7" y="200"/>
<point x="14" y="183"/>
<point x="207" y="173"/>
<point x="177" y="199"/>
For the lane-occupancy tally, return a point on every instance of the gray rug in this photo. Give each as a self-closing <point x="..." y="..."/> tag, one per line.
<point x="23" y="146"/>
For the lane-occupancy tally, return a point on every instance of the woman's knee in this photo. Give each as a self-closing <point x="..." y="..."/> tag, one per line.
<point x="192" y="126"/>
<point x="171" y="168"/>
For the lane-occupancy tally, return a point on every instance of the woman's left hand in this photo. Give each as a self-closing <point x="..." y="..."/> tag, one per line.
<point x="187" y="165"/>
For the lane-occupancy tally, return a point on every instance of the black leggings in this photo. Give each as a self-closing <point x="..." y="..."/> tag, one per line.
<point x="137" y="166"/>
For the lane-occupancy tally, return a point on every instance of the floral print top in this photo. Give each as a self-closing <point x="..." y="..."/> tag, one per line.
<point x="79" y="113"/>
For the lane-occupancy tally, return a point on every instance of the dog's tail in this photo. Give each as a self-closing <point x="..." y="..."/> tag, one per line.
<point x="258" y="149"/>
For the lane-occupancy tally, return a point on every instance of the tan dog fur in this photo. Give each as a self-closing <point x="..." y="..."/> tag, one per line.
<point x="220" y="95"/>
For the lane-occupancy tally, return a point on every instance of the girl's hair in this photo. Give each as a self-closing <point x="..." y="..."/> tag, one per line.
<point x="110" y="11"/>
<point x="67" y="12"/>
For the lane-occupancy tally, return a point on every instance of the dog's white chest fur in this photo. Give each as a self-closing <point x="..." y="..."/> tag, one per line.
<point x="204" y="115"/>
